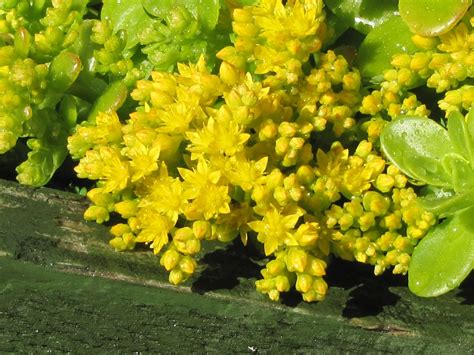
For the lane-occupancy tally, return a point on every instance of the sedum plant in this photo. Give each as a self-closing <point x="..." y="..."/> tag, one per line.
<point x="444" y="160"/>
<point x="208" y="121"/>
<point x="217" y="156"/>
<point x="62" y="62"/>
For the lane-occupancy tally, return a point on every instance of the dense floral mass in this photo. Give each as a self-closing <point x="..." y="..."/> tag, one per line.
<point x="262" y="148"/>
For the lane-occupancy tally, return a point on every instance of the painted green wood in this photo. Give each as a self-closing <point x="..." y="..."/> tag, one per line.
<point x="62" y="288"/>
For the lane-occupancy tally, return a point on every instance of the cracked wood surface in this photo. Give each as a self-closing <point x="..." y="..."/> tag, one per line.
<point x="62" y="288"/>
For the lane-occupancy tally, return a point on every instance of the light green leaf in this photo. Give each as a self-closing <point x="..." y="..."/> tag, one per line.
<point x="127" y="15"/>
<point x="462" y="175"/>
<point x="444" y="257"/>
<point x="447" y="202"/>
<point x="205" y="11"/>
<point x="376" y="51"/>
<point x="111" y="100"/>
<point x="432" y="17"/>
<point x="416" y="146"/>
<point x="460" y="136"/>
<point x="363" y="15"/>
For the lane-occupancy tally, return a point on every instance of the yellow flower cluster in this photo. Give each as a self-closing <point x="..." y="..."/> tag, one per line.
<point x="277" y="39"/>
<point x="444" y="63"/>
<point x="209" y="157"/>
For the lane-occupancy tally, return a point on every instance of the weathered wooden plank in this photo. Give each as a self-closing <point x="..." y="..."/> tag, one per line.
<point x="62" y="288"/>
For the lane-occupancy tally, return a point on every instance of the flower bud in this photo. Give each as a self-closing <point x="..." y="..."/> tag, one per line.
<point x="176" y="276"/>
<point x="282" y="284"/>
<point x="119" y="229"/>
<point x="126" y="208"/>
<point x="96" y="213"/>
<point x="296" y="260"/>
<point x="187" y="265"/>
<point x="304" y="283"/>
<point x="316" y="267"/>
<point x="275" y="267"/>
<point x="170" y="259"/>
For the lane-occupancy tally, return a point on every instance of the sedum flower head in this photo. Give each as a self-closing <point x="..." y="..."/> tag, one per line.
<point x="208" y="157"/>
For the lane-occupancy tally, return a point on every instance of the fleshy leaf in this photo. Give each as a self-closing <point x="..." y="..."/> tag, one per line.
<point x="460" y="136"/>
<point x="444" y="257"/>
<point x="470" y="128"/>
<point x="447" y="203"/>
<point x="363" y="15"/>
<point x="111" y="100"/>
<point x="460" y="171"/>
<point x="205" y="11"/>
<point x="128" y="15"/>
<point x="416" y="146"/>
<point x="376" y="51"/>
<point x="432" y="17"/>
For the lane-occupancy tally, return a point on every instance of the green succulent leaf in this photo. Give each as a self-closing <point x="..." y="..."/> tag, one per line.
<point x="48" y="148"/>
<point x="363" y="15"/>
<point x="446" y="202"/>
<point x="462" y="175"/>
<point x="416" y="146"/>
<point x="128" y="15"/>
<point x="111" y="100"/>
<point x="205" y="11"/>
<point x="432" y="17"/>
<point x="460" y="135"/>
<point x="64" y="70"/>
<point x="444" y="257"/>
<point x="376" y="51"/>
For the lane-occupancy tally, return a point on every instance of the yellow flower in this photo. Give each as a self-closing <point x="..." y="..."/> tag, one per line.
<point x="106" y="131"/>
<point x="167" y="196"/>
<point x="176" y="118"/>
<point x="455" y="40"/>
<point x="244" y="173"/>
<point x="198" y="81"/>
<point x="154" y="229"/>
<point x="143" y="158"/>
<point x="105" y="164"/>
<point x="221" y="135"/>
<point x="275" y="229"/>
<point x="202" y="185"/>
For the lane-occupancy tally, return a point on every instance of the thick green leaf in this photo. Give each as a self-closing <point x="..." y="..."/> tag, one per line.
<point x="444" y="257"/>
<point x="205" y="11"/>
<point x="460" y="136"/>
<point x="470" y="129"/>
<point x="111" y="100"/>
<point x="447" y="203"/>
<point x="64" y="70"/>
<point x="416" y="146"/>
<point x="363" y="15"/>
<point x="127" y="15"/>
<point x="432" y="17"/>
<point x="158" y="8"/>
<point x="376" y="51"/>
<point x="462" y="175"/>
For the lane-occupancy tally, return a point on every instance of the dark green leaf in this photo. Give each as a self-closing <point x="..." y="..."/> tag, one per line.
<point x="416" y="146"/>
<point x="444" y="257"/>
